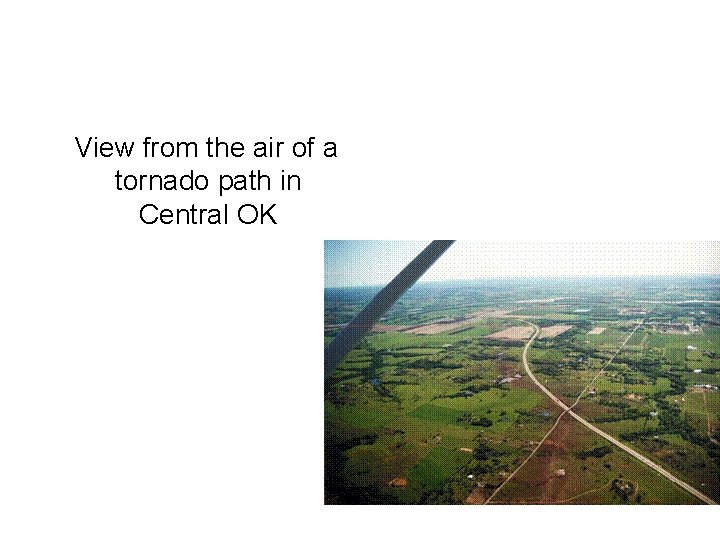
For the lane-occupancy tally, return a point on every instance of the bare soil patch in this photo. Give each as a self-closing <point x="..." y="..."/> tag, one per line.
<point x="514" y="333"/>
<point x="541" y="472"/>
<point x="596" y="331"/>
<point x="509" y="368"/>
<point x="438" y="327"/>
<point x="477" y="496"/>
<point x="555" y="330"/>
<point x="488" y="313"/>
<point x="381" y="328"/>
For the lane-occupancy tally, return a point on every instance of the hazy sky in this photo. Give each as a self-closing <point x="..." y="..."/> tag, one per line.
<point x="372" y="262"/>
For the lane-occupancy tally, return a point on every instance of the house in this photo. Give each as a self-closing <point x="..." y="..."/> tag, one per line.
<point x="691" y="348"/>
<point x="697" y="370"/>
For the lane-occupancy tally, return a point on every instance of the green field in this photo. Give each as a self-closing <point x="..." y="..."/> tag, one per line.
<point x="442" y="418"/>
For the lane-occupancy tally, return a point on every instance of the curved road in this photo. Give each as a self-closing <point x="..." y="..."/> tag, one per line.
<point x="687" y="487"/>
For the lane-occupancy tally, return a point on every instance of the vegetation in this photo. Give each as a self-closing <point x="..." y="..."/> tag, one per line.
<point x="435" y="418"/>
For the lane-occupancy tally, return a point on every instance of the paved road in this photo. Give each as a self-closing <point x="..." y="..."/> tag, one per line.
<point x="568" y="409"/>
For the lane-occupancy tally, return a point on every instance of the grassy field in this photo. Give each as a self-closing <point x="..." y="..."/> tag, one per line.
<point x="589" y="467"/>
<point x="442" y="418"/>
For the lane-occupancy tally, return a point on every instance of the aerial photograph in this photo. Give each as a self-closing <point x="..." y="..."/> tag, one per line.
<point x="504" y="373"/>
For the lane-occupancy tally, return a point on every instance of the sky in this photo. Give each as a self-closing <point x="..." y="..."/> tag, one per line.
<point x="376" y="262"/>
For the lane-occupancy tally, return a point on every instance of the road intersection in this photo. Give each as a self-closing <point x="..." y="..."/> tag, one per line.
<point x="569" y="410"/>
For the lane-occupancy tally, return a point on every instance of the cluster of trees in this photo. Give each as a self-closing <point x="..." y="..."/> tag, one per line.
<point x="547" y="368"/>
<point x="630" y="413"/>
<point x="652" y="369"/>
<point x="338" y="489"/>
<point x="622" y="410"/>
<point x="491" y="349"/>
<point x="481" y="421"/>
<point x="453" y="492"/>
<point x="487" y="458"/>
<point x="672" y="421"/>
<point x="470" y="390"/>
<point x="677" y="385"/>
<point x="462" y="379"/>
<point x="431" y="363"/>
<point x="623" y="489"/>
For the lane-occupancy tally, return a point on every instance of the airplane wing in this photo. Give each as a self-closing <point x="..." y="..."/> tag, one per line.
<point x="356" y="329"/>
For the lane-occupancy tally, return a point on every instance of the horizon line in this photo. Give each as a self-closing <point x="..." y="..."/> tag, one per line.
<point x="565" y="276"/>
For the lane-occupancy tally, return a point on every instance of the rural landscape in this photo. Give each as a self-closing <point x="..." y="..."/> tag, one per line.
<point x="558" y="390"/>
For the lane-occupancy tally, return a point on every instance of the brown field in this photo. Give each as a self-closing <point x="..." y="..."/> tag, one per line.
<point x="398" y="482"/>
<point x="388" y="328"/>
<point x="554" y="475"/>
<point x="448" y="326"/>
<point x="597" y="330"/>
<point x="509" y="368"/>
<point x="488" y="313"/>
<point x="553" y="331"/>
<point x="437" y="328"/>
<point x="514" y="333"/>
<point x="477" y="496"/>
<point x="538" y="481"/>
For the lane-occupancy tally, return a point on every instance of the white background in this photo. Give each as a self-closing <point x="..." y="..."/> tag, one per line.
<point x="166" y="381"/>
